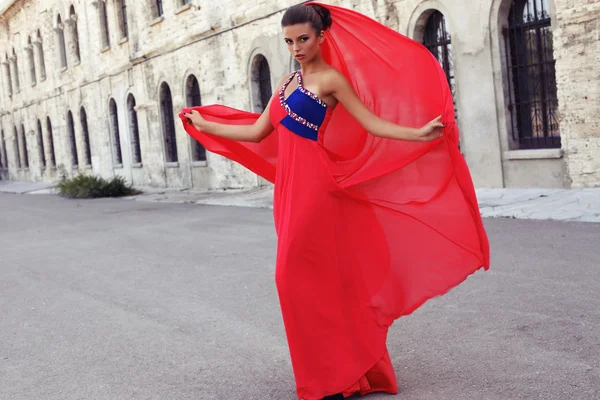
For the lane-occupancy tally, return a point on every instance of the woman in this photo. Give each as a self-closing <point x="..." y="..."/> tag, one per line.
<point x="374" y="208"/>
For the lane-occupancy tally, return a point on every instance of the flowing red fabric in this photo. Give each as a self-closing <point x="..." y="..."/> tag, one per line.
<point x="368" y="228"/>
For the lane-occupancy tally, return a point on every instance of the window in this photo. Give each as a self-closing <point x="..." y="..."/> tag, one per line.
<point x="7" y="76"/>
<point x="31" y="61"/>
<point x="25" y="158"/>
<point x="86" y="137"/>
<point x="104" y="32"/>
<point x="60" y="37"/>
<point x="122" y="18"/>
<point x="3" y="150"/>
<point x="17" y="148"/>
<point x="72" y="139"/>
<point x="166" y="110"/>
<point x="50" y="142"/>
<point x="193" y="99"/>
<point x="40" y="47"/>
<point x="134" y="130"/>
<point x="74" y="34"/>
<point x="40" y="143"/>
<point x="15" y="61"/>
<point x="437" y="40"/>
<point x="114" y="127"/>
<point x="261" y="83"/>
<point x="530" y="63"/>
<point x="158" y="8"/>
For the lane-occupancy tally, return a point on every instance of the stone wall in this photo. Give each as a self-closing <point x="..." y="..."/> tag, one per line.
<point x="577" y="50"/>
<point x="217" y="42"/>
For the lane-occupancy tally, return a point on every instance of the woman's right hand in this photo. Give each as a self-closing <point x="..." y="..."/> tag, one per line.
<point x="196" y="119"/>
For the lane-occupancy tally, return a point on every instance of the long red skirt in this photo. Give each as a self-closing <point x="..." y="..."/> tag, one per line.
<point x="368" y="228"/>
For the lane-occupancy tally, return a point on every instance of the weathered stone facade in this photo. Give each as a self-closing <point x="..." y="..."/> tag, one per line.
<point x="217" y="43"/>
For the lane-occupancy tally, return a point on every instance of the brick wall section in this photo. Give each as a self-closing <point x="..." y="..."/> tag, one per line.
<point x="577" y="46"/>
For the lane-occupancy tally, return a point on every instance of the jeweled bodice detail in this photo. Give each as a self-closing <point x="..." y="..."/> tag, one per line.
<point x="305" y="110"/>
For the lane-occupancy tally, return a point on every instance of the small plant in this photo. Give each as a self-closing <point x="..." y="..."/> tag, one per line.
<point x="90" y="187"/>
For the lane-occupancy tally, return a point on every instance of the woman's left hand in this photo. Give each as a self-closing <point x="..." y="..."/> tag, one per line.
<point x="431" y="131"/>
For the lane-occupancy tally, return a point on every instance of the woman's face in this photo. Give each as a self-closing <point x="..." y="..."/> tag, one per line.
<point x="302" y="41"/>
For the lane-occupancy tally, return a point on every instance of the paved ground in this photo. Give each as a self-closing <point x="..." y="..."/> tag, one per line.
<point x="117" y="299"/>
<point x="540" y="204"/>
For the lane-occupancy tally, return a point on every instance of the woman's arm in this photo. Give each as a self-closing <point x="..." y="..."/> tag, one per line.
<point x="242" y="133"/>
<point x="344" y="92"/>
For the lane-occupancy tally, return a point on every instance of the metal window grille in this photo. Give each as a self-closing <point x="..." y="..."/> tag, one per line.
<point x="530" y="64"/>
<point x="31" y="62"/>
<point x="16" y="70"/>
<point x="62" y="47"/>
<point x="42" y="60"/>
<point x="134" y="130"/>
<point x="438" y="41"/>
<point x="8" y="76"/>
<point x="193" y="98"/>
<point x="124" y="26"/>
<point x="72" y="139"/>
<point x="166" y="107"/>
<point x="40" y="140"/>
<point x="159" y="7"/>
<point x="3" y="154"/>
<point x="17" y="148"/>
<point x="104" y="24"/>
<point x="24" y="143"/>
<point x="50" y="142"/>
<point x="75" y="34"/>
<point x="114" y="126"/>
<point x="86" y="137"/>
<point x="264" y="81"/>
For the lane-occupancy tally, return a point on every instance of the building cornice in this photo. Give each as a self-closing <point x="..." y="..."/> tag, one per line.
<point x="6" y="5"/>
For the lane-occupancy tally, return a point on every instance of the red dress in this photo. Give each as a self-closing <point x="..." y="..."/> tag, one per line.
<point x="368" y="228"/>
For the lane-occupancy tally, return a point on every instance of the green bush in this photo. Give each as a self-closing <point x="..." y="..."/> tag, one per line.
<point x="89" y="187"/>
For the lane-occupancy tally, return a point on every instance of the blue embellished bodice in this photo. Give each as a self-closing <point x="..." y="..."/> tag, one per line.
<point x="305" y="110"/>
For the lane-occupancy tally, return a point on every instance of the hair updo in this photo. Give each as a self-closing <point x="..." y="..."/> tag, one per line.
<point x="318" y="16"/>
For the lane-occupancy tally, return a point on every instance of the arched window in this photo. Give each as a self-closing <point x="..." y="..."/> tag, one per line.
<point x="166" y="110"/>
<point x="50" y="142"/>
<point x="158" y="8"/>
<point x="530" y="63"/>
<point x="3" y="150"/>
<point x="40" y="143"/>
<point x="134" y="131"/>
<point x="86" y="137"/>
<point x="437" y="39"/>
<point x="25" y="158"/>
<point x="31" y="60"/>
<point x="121" y="6"/>
<point x="193" y="98"/>
<point x="104" y="32"/>
<point x="17" y="148"/>
<point x="60" y="37"/>
<point x="114" y="127"/>
<point x="261" y="83"/>
<point x="16" y="71"/>
<point x="8" y="75"/>
<point x="72" y="139"/>
<point x="40" y="47"/>
<point x="74" y="34"/>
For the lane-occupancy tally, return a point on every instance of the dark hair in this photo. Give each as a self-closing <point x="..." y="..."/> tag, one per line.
<point x="318" y="16"/>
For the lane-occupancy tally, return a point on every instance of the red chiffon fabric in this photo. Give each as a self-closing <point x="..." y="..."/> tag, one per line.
<point x="368" y="228"/>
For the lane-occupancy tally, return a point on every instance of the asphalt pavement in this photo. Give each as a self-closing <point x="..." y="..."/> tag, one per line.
<point x="117" y="299"/>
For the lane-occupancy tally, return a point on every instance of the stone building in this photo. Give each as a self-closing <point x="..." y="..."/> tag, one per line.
<point x="95" y="86"/>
